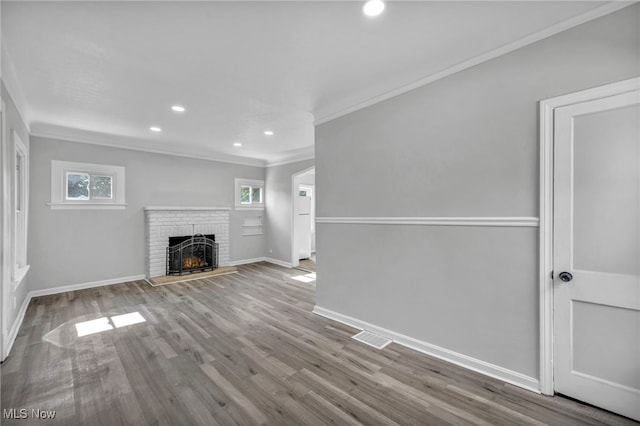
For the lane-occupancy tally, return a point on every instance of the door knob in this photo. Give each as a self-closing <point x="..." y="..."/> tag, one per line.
<point x="565" y="276"/>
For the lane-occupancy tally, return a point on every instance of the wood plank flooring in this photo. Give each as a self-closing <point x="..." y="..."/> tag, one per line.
<point x="242" y="349"/>
<point x="307" y="265"/>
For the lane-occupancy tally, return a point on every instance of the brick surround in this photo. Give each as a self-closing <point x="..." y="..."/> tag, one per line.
<point x="164" y="222"/>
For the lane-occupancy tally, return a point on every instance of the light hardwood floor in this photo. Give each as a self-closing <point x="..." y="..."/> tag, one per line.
<point x="243" y="349"/>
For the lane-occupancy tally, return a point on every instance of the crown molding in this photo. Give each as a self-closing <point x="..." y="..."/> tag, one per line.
<point x="598" y="12"/>
<point x="307" y="153"/>
<point x="80" y="136"/>
<point x="113" y="141"/>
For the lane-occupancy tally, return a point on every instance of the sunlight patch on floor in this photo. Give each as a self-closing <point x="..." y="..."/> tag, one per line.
<point x="99" y="325"/>
<point x="86" y="328"/>
<point x="127" y="319"/>
<point x="306" y="278"/>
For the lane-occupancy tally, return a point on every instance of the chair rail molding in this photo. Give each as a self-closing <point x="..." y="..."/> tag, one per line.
<point x="523" y="221"/>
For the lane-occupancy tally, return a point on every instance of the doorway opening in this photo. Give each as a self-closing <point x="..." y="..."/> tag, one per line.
<point x="303" y="232"/>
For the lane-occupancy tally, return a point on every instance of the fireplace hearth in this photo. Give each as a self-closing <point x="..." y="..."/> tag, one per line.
<point x="188" y="254"/>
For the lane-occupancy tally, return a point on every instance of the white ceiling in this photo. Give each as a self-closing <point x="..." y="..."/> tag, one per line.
<point x="104" y="72"/>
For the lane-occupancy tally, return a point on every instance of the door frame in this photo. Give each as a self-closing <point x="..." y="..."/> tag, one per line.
<point x="5" y="243"/>
<point x="546" y="288"/>
<point x="294" y="193"/>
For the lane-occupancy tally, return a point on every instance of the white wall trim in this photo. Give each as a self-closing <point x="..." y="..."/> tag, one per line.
<point x="82" y="286"/>
<point x="278" y="262"/>
<point x="115" y="141"/>
<point x="13" y="332"/>
<point x="546" y="214"/>
<point x="294" y="193"/>
<point x="304" y="154"/>
<point x="479" y="366"/>
<point x="5" y="241"/>
<point x="259" y="259"/>
<point x="325" y="116"/>
<point x="247" y="261"/>
<point x="435" y="221"/>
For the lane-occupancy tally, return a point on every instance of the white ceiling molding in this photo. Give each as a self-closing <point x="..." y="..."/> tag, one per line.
<point x="73" y="135"/>
<point x="303" y="154"/>
<point x="10" y="81"/>
<point x="326" y="116"/>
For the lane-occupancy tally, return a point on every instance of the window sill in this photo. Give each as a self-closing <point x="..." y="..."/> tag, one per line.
<point x="87" y="206"/>
<point x="19" y="275"/>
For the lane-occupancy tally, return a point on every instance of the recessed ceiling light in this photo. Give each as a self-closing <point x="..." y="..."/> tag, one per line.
<point x="268" y="132"/>
<point x="373" y="7"/>
<point x="237" y="144"/>
<point x="155" y="129"/>
<point x="177" y="108"/>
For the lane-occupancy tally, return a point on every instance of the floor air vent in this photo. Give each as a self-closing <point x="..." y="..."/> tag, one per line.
<point x="371" y="339"/>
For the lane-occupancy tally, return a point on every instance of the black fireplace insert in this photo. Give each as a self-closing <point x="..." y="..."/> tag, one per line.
<point x="188" y="254"/>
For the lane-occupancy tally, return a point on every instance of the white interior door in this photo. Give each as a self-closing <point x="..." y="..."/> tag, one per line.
<point x="597" y="252"/>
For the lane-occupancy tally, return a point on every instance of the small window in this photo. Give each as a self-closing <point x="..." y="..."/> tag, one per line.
<point x="84" y="185"/>
<point x="249" y="194"/>
<point x="256" y="195"/>
<point x="101" y="187"/>
<point x="245" y="194"/>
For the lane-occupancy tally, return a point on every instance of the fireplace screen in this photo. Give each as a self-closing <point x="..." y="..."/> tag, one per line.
<point x="190" y="254"/>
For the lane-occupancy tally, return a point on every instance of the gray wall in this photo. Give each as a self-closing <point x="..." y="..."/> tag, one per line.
<point x="278" y="204"/>
<point x="79" y="246"/>
<point x="466" y="145"/>
<point x="13" y="121"/>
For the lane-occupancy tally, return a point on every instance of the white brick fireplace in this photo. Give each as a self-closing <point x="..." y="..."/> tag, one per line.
<point x="164" y="222"/>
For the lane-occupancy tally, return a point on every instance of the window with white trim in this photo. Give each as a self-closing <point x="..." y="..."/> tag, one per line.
<point x="20" y="203"/>
<point x="249" y="194"/>
<point x="86" y="186"/>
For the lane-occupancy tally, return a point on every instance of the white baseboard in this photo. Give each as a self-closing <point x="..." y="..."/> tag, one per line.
<point x="278" y="262"/>
<point x="74" y="287"/>
<point x="246" y="261"/>
<point x="465" y="361"/>
<point x="13" y="332"/>
<point x="260" y="259"/>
